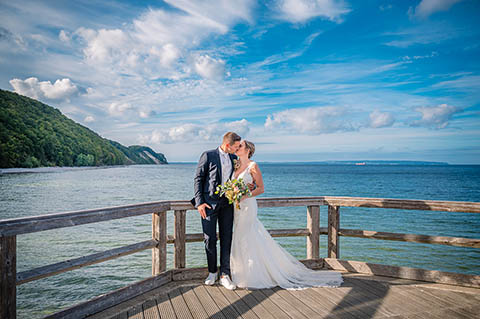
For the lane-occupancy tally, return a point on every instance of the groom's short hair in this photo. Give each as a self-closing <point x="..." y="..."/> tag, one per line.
<point x="231" y="137"/>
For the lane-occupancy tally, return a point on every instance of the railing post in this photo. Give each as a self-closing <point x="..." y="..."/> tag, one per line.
<point x="159" y="233"/>
<point x="8" y="274"/>
<point x="333" y="229"/>
<point x="313" y="225"/>
<point x="179" y="235"/>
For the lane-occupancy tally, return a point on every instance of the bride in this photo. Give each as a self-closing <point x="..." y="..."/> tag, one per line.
<point x="256" y="260"/>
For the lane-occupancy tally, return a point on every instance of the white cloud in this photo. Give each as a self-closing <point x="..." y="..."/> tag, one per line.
<point x="118" y="108"/>
<point x="314" y="120"/>
<point x="168" y="54"/>
<point x="209" y="68"/>
<point x="193" y="133"/>
<point x="420" y="57"/>
<point x="160" y="43"/>
<point x="146" y="114"/>
<point x="298" y="11"/>
<point x="425" y="33"/>
<point x="435" y="116"/>
<point x="89" y="119"/>
<point x="428" y="7"/>
<point x="385" y="7"/>
<point x="381" y="119"/>
<point x="104" y="45"/>
<point x="63" y="36"/>
<point x="61" y="90"/>
<point x="467" y="83"/>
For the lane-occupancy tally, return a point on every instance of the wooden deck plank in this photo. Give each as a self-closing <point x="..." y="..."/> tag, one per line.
<point x="416" y="293"/>
<point x="469" y="311"/>
<point x="390" y="301"/>
<point x="228" y="310"/>
<point x="195" y="306"/>
<point x="368" y="298"/>
<point x="136" y="312"/>
<point x="123" y="315"/>
<point x="342" y="296"/>
<point x="150" y="309"/>
<point x="363" y="300"/>
<point x="256" y="306"/>
<point x="208" y="303"/>
<point x="360" y="296"/>
<point x="297" y="303"/>
<point x="179" y="305"/>
<point x="269" y="305"/>
<point x="288" y="308"/>
<point x="241" y="306"/>
<point x="306" y="297"/>
<point x="165" y="307"/>
<point x="451" y="313"/>
<point x="417" y="305"/>
<point x="453" y="298"/>
<point x="319" y="295"/>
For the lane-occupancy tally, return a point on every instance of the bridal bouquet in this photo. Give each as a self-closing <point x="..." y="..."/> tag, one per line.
<point x="233" y="190"/>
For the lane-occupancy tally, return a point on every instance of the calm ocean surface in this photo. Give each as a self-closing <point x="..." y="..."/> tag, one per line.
<point x="58" y="190"/>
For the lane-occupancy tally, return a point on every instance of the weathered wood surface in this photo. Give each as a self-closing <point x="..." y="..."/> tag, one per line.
<point x="333" y="228"/>
<point x="103" y="302"/>
<point x="33" y="224"/>
<point x="9" y="227"/>
<point x="408" y="204"/>
<point x="403" y="272"/>
<point x="8" y="269"/>
<point x="416" y="238"/>
<point x="54" y="269"/>
<point x="159" y="234"/>
<point x="293" y="232"/>
<point x="179" y="236"/>
<point x="360" y="296"/>
<point x="160" y="238"/>
<point x="313" y="226"/>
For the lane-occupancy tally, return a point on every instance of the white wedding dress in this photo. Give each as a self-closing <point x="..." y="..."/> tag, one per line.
<point x="258" y="261"/>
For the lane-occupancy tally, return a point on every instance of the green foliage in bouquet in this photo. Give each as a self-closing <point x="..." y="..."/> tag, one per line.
<point x="234" y="190"/>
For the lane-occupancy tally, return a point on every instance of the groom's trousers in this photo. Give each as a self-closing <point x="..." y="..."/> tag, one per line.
<point x="223" y="213"/>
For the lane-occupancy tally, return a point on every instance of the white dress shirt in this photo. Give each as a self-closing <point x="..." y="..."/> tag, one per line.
<point x="226" y="165"/>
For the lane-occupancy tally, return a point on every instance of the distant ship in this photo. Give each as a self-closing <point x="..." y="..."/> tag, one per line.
<point x="362" y="163"/>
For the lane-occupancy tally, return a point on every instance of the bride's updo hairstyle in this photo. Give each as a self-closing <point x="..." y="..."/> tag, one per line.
<point x="250" y="147"/>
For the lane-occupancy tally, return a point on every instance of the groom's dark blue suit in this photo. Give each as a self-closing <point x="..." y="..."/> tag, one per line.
<point x="207" y="177"/>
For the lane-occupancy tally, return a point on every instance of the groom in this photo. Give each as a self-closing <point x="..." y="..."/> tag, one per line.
<point x="214" y="168"/>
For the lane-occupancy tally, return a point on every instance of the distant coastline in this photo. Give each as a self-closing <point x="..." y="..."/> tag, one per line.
<point x="361" y="162"/>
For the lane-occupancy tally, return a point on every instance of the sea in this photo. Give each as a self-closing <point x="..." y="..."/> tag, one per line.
<point x="29" y="192"/>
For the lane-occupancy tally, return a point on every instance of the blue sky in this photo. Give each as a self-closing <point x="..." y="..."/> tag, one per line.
<point x="306" y="80"/>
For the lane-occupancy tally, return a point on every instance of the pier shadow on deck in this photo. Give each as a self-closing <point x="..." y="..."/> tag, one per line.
<point x="360" y="296"/>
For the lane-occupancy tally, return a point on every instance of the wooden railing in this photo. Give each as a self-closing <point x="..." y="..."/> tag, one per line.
<point x="10" y="228"/>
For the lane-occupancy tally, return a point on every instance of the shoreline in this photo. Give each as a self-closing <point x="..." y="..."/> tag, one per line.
<point x="55" y="169"/>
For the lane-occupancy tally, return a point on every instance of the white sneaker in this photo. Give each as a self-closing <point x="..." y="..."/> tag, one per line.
<point x="227" y="283"/>
<point x="212" y="277"/>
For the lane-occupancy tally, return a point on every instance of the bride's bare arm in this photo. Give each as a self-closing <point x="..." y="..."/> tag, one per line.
<point x="257" y="178"/>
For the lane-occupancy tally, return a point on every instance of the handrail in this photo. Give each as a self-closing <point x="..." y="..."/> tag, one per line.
<point x="10" y="228"/>
<point x="24" y="225"/>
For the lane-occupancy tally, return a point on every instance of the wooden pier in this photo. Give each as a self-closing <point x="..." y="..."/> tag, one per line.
<point x="369" y="291"/>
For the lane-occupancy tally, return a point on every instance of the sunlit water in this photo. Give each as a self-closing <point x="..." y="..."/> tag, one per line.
<point x="58" y="190"/>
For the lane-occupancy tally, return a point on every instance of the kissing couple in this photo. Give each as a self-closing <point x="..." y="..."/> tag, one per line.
<point x="249" y="256"/>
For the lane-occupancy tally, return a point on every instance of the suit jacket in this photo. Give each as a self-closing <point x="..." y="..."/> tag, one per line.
<point x="207" y="177"/>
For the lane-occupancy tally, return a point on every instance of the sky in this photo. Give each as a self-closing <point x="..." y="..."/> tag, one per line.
<point x="305" y="80"/>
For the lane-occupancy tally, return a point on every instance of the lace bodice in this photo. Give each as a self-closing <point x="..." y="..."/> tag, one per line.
<point x="246" y="175"/>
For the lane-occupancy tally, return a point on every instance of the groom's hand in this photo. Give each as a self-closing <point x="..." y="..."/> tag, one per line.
<point x="201" y="210"/>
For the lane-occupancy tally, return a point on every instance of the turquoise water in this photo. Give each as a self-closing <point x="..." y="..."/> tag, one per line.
<point x="57" y="190"/>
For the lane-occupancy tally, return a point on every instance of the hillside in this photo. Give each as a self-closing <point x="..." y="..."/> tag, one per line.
<point x="33" y="134"/>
